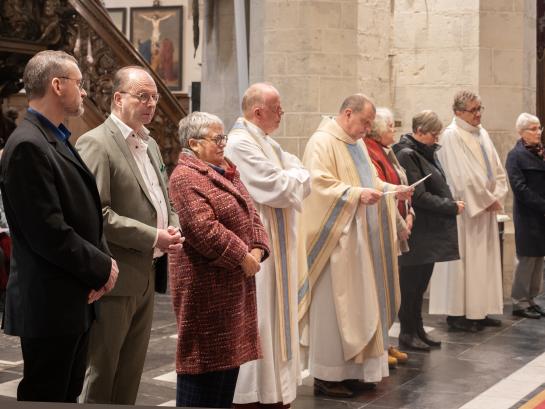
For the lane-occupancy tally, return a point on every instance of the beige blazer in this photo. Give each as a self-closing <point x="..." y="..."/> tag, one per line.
<point x="130" y="218"/>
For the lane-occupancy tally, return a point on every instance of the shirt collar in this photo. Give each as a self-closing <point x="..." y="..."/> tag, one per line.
<point x="255" y="128"/>
<point x="61" y="132"/>
<point x="126" y="130"/>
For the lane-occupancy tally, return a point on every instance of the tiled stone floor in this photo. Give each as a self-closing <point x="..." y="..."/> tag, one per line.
<point x="466" y="366"/>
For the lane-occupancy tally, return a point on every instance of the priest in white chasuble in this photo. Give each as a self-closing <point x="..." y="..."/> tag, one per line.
<point x="277" y="183"/>
<point x="469" y="289"/>
<point x="350" y="297"/>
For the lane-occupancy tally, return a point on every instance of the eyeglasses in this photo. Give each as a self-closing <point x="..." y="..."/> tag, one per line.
<point x="79" y="83"/>
<point x="474" y="110"/>
<point x="143" y="97"/>
<point x="219" y="139"/>
<point x="538" y="129"/>
<point x="277" y="110"/>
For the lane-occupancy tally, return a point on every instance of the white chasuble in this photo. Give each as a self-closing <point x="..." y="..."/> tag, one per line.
<point x="277" y="183"/>
<point x="351" y="294"/>
<point x="471" y="286"/>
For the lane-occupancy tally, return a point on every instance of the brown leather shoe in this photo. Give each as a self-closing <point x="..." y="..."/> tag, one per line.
<point x="332" y="389"/>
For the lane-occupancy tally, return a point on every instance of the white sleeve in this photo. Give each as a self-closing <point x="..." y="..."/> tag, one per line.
<point x="267" y="182"/>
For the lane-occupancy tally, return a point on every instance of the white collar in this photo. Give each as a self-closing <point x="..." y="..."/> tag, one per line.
<point x="254" y="128"/>
<point x="475" y="130"/>
<point x="126" y="130"/>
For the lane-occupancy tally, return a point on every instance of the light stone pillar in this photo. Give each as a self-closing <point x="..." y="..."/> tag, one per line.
<point x="219" y="90"/>
<point x="507" y="67"/>
<point x="375" y="63"/>
<point x="308" y="51"/>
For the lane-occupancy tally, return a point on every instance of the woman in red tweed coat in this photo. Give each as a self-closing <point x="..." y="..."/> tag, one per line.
<point x="212" y="280"/>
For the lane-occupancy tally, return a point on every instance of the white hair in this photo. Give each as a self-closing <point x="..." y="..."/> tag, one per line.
<point x="524" y="120"/>
<point x="195" y="126"/>
<point x="380" y="124"/>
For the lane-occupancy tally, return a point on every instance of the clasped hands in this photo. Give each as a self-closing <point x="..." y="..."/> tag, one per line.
<point x="170" y="240"/>
<point x="250" y="263"/>
<point x="494" y="207"/>
<point x="94" y="295"/>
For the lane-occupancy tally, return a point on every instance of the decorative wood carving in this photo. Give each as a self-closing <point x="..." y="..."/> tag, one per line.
<point x="83" y="29"/>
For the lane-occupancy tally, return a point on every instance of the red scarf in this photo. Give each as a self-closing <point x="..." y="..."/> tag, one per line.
<point x="385" y="169"/>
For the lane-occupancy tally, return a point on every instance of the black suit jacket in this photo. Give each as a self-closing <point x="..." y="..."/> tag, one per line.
<point x="54" y="213"/>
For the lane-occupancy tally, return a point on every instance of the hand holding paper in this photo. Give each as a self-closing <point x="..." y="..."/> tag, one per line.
<point x="406" y="189"/>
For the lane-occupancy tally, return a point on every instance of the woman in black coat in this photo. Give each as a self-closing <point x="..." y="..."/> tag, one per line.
<point x="434" y="236"/>
<point x="526" y="170"/>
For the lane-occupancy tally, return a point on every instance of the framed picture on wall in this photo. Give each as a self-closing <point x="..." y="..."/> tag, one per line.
<point x="156" y="32"/>
<point x="119" y="17"/>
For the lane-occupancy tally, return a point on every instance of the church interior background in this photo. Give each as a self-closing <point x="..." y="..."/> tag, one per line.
<point x="407" y="55"/>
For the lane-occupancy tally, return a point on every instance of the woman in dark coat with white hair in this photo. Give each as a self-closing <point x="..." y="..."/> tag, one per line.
<point x="525" y="167"/>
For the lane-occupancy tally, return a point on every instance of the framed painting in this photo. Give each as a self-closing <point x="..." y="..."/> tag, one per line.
<point x="119" y="17"/>
<point x="156" y="32"/>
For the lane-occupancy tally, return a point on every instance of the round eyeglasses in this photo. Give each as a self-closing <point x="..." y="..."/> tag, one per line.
<point x="143" y="97"/>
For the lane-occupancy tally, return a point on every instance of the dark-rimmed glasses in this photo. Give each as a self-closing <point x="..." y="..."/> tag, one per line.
<point x="79" y="82"/>
<point x="475" y="110"/>
<point x="143" y="97"/>
<point x="219" y="139"/>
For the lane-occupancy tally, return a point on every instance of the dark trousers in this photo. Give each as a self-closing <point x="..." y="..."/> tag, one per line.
<point x="207" y="390"/>
<point x="259" y="405"/>
<point x="413" y="281"/>
<point x="54" y="368"/>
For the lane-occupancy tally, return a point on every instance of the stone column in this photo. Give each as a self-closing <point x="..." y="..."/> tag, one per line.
<point x="435" y="50"/>
<point x="219" y="89"/>
<point x="308" y="50"/>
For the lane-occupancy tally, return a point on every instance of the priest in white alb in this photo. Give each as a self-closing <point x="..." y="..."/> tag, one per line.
<point x="469" y="289"/>
<point x="351" y="295"/>
<point x="278" y="183"/>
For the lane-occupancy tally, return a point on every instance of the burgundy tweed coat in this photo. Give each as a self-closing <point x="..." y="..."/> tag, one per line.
<point x="214" y="303"/>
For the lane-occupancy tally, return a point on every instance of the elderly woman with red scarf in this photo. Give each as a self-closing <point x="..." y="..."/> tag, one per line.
<point x="212" y="280"/>
<point x="378" y="143"/>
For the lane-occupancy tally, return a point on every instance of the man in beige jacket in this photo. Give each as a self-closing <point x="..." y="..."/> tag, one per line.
<point x="140" y="227"/>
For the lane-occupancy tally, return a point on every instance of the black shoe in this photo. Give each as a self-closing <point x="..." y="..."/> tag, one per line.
<point x="410" y="341"/>
<point x="355" y="385"/>
<point x="427" y="339"/>
<point x="528" y="312"/>
<point x="489" y="322"/>
<point x="537" y="308"/>
<point x="461" y="324"/>
<point x="332" y="389"/>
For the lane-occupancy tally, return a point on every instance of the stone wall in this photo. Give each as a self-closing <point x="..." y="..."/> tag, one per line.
<point x="409" y="55"/>
<point x="435" y="48"/>
<point x="308" y="50"/>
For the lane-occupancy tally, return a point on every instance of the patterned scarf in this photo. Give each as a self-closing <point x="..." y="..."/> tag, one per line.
<point x="536" y="149"/>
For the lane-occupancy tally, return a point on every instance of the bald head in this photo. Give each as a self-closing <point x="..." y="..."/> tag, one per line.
<point x="356" y="115"/>
<point x="356" y="103"/>
<point x="125" y="77"/>
<point x="256" y="96"/>
<point x="261" y="106"/>
<point x="134" y="96"/>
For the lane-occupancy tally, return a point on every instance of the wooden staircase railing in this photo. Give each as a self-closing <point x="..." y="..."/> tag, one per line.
<point x="84" y="29"/>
